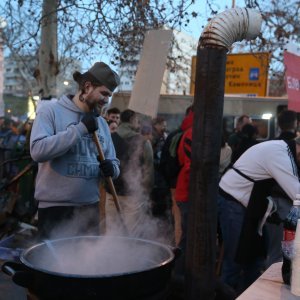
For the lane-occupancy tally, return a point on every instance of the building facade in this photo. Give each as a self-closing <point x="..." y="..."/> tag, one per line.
<point x="19" y="79"/>
<point x="18" y="75"/>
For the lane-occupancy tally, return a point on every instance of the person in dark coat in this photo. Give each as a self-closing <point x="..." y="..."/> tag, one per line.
<point x="287" y="122"/>
<point x="135" y="182"/>
<point x="248" y="136"/>
<point x="235" y="138"/>
<point x="161" y="200"/>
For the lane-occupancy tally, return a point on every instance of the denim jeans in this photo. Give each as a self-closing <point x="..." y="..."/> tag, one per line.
<point x="231" y="216"/>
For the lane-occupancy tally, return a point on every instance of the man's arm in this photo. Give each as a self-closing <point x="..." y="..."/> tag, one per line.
<point x="282" y="167"/>
<point x="45" y="143"/>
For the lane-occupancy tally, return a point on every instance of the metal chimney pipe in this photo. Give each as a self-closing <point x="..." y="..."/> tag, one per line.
<point x="222" y="31"/>
<point x="231" y="26"/>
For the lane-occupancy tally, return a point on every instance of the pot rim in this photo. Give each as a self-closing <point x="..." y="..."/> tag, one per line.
<point x="133" y="272"/>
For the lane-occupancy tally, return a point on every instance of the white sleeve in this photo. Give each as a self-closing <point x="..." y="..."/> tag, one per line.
<point x="281" y="165"/>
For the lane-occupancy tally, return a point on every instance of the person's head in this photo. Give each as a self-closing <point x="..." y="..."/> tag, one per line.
<point x="241" y="121"/>
<point x="160" y="125"/>
<point x="14" y="126"/>
<point x="113" y="114"/>
<point x="26" y="128"/>
<point x="146" y="132"/>
<point x="6" y="125"/>
<point x="189" y="109"/>
<point x="129" y="116"/>
<point x="112" y="126"/>
<point x="250" y="131"/>
<point x="96" y="85"/>
<point x="287" y="120"/>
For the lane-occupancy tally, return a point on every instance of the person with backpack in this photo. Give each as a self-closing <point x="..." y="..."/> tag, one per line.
<point x="170" y="167"/>
<point x="135" y="182"/>
<point x="182" y="185"/>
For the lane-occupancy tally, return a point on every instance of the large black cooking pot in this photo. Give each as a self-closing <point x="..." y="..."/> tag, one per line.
<point x="94" y="267"/>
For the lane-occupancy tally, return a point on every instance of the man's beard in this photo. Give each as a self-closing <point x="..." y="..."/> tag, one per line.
<point x="95" y="105"/>
<point x="98" y="108"/>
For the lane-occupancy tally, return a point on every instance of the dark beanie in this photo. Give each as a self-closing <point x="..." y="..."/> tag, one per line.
<point x="100" y="73"/>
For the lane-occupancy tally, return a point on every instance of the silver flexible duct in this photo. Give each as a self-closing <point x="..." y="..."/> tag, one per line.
<point x="231" y="26"/>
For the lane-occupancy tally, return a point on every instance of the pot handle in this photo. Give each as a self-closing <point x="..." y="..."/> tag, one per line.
<point x="19" y="274"/>
<point x="11" y="267"/>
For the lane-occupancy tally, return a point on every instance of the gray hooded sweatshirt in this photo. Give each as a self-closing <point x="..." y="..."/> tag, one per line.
<point x="68" y="169"/>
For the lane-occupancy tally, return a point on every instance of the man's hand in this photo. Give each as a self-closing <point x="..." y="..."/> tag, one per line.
<point x="107" y="168"/>
<point x="90" y="121"/>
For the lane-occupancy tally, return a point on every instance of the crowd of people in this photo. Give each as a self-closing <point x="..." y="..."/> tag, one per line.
<point x="247" y="177"/>
<point x="14" y="143"/>
<point x="147" y="162"/>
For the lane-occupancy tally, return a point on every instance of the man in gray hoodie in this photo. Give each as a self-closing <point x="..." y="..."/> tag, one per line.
<point x="67" y="184"/>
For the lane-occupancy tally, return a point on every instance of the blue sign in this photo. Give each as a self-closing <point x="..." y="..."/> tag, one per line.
<point x="254" y="74"/>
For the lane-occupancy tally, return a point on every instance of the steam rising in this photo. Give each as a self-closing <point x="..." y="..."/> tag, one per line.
<point x="111" y="254"/>
<point x="137" y="207"/>
<point x="98" y="256"/>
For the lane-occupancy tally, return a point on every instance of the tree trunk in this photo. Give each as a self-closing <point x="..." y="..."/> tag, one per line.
<point x="2" y="106"/>
<point x="206" y="143"/>
<point x="48" y="61"/>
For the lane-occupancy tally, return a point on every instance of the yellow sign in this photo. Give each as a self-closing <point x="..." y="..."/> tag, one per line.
<point x="246" y="74"/>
